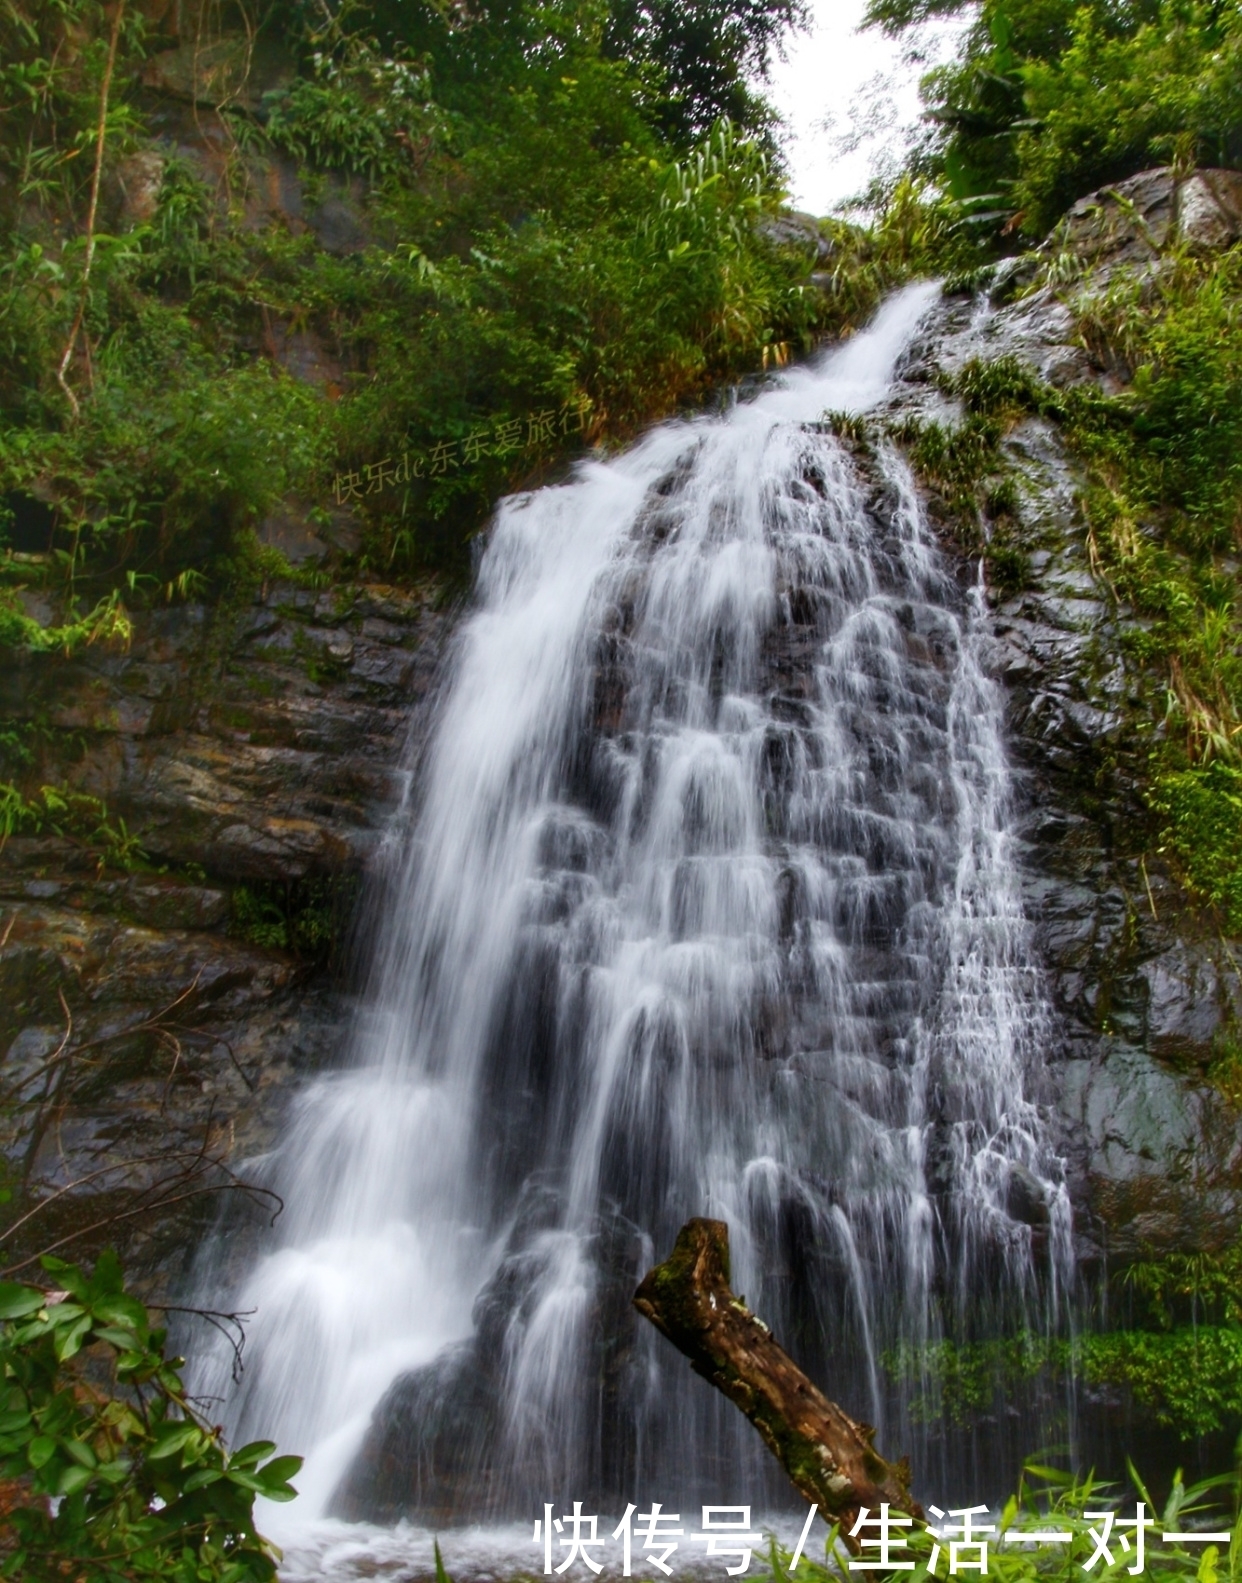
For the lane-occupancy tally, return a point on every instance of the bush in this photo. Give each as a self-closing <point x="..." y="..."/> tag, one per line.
<point x="1203" y="809"/>
<point x="1046" y="1498"/>
<point x="1049" y="99"/>
<point x="537" y="241"/>
<point x="119" y="1481"/>
<point x="1187" y="1379"/>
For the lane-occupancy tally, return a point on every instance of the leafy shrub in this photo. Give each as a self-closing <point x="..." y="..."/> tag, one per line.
<point x="365" y="113"/>
<point x="1204" y="1286"/>
<point x="123" y="1481"/>
<point x="1163" y="500"/>
<point x="1131" y="83"/>
<point x="1046" y="1498"/>
<point x="1203" y="809"/>
<point x="76" y="816"/>
<point x="1187" y="1378"/>
<point x="1049" y="99"/>
<point x="537" y="240"/>
<point x="309" y="917"/>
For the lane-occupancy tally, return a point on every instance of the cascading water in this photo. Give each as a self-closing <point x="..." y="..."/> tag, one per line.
<point x="709" y="908"/>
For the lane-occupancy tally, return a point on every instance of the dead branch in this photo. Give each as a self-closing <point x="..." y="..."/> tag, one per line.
<point x="828" y="1456"/>
<point x="232" y="1326"/>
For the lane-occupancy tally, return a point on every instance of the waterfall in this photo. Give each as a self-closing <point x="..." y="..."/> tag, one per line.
<point x="709" y="907"/>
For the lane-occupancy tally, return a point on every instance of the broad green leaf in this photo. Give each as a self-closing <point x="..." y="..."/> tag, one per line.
<point x="246" y="1456"/>
<point x="171" y="1438"/>
<point x="124" y="1340"/>
<point x="280" y="1469"/>
<point x="61" y="1315"/>
<point x="1175" y="1502"/>
<point x="106" y="1279"/>
<point x="246" y="1481"/>
<point x="69" y="1343"/>
<point x="40" y="1451"/>
<point x="33" y="1331"/>
<point x="1050" y="1475"/>
<point x="69" y="1275"/>
<point x="73" y="1479"/>
<point x="121" y="1309"/>
<point x="80" y="1452"/>
<point x="279" y="1492"/>
<point x="1138" y="1483"/>
<point x="18" y="1301"/>
<point x="201" y="1479"/>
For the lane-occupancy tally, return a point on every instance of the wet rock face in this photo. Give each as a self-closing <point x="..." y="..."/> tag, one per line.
<point x="1146" y="992"/>
<point x="144" y="1026"/>
<point x="442" y="1442"/>
<point x="259" y="745"/>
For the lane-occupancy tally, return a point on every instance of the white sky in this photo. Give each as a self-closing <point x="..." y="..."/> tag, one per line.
<point x="850" y="99"/>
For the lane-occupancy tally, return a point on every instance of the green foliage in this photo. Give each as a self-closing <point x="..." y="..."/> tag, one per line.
<point x="75" y="816"/>
<point x="1176" y="339"/>
<point x="1048" y="1498"/>
<point x="107" y="622"/>
<point x="141" y="1487"/>
<point x="173" y="457"/>
<point x="1190" y="1379"/>
<point x="965" y="464"/>
<point x="697" y="60"/>
<point x="1051" y="98"/>
<point x="961" y="1381"/>
<point x="1162" y="457"/>
<point x="1202" y="807"/>
<point x="1187" y="1378"/>
<point x="259" y="919"/>
<point x="628" y="289"/>
<point x="704" y="53"/>
<point x="1164" y="502"/>
<point x="534" y="238"/>
<point x="914" y="230"/>
<point x="1225" y="1070"/>
<point x="1131" y="85"/>
<point x="1201" y="1286"/>
<point x="364" y="113"/>
<point x="307" y="917"/>
<point x="53" y="57"/>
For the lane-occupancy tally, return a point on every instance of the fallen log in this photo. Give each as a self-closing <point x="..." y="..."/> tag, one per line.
<point x="828" y="1456"/>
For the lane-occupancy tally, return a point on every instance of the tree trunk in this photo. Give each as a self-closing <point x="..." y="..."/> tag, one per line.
<point x="828" y="1456"/>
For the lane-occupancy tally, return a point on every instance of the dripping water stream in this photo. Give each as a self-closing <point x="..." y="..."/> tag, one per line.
<point x="710" y="907"/>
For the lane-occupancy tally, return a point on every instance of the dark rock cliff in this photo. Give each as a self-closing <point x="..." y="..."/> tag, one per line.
<point x="159" y="986"/>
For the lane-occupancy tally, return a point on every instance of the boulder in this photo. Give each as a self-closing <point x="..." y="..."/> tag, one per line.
<point x="233" y="69"/>
<point x="792" y="228"/>
<point x="1140" y="217"/>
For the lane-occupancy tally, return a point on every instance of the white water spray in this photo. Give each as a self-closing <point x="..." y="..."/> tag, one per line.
<point x="710" y="908"/>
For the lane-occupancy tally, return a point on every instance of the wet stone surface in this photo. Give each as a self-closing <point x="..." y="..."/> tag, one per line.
<point x="1147" y="994"/>
<point x="249" y="757"/>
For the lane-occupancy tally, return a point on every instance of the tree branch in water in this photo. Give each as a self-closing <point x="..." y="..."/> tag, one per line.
<point x="828" y="1456"/>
